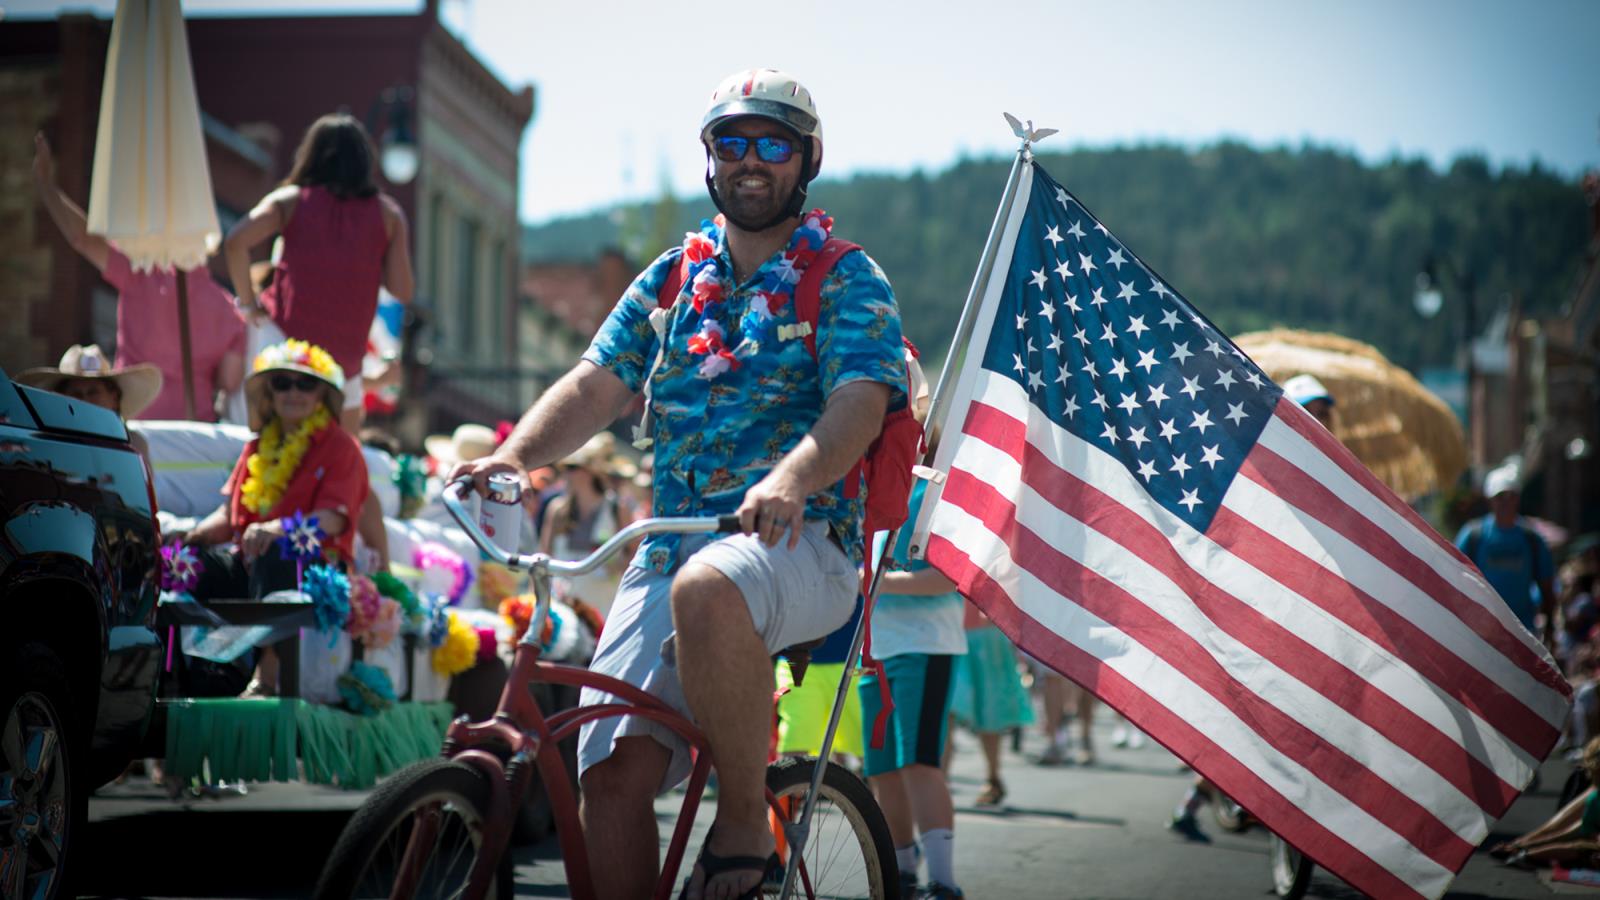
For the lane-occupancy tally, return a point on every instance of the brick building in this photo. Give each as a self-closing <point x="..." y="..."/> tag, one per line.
<point x="261" y="82"/>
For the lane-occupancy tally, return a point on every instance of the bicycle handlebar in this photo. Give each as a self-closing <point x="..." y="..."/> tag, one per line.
<point x="455" y="493"/>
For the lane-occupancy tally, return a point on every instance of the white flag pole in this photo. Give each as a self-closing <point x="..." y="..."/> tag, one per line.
<point x="796" y="833"/>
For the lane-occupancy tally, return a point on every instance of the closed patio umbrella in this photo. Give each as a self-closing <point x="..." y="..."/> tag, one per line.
<point x="151" y="191"/>
<point x="1407" y="436"/>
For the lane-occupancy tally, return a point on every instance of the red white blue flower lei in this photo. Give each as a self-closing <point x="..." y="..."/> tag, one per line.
<point x="708" y="289"/>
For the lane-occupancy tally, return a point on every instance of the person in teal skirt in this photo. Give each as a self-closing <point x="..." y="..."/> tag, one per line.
<point x="989" y="697"/>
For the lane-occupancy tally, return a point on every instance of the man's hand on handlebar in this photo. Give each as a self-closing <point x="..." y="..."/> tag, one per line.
<point x="479" y="471"/>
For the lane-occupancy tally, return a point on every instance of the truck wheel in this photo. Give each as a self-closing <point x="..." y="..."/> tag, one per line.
<point x="41" y="805"/>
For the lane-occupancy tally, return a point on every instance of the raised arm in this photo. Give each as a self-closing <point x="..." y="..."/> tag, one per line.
<point x="69" y="218"/>
<point x="397" y="277"/>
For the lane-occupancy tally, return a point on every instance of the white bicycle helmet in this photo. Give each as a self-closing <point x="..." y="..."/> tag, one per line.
<point x="773" y="95"/>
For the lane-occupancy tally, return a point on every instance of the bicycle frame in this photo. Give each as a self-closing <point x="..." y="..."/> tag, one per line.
<point x="519" y="731"/>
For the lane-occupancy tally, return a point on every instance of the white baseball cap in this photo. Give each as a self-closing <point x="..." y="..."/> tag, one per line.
<point x="1303" y="389"/>
<point x="1500" y="480"/>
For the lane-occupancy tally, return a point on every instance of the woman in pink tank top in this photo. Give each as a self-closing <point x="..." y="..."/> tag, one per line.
<point x="342" y="239"/>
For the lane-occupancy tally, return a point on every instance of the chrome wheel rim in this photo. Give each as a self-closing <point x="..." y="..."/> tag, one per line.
<point x="34" y="797"/>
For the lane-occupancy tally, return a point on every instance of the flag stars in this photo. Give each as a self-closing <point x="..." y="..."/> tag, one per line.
<point x="1159" y="288"/>
<point x="1225" y="379"/>
<point x="1102" y="229"/>
<point x="1081" y="336"/>
<point x="1022" y="321"/>
<point x="1022" y="369"/>
<point x="1168" y="430"/>
<point x="1099" y="298"/>
<point x="1202" y="421"/>
<point x="1236" y="413"/>
<point x="1137" y="327"/>
<point x="1100" y="401"/>
<point x="1034" y="381"/>
<point x="1129" y="403"/>
<point x="1061" y="195"/>
<point x="1056" y="342"/>
<point x="1038" y="280"/>
<point x="1061" y="378"/>
<point x="1072" y="403"/>
<point x="1171" y="320"/>
<point x="1254" y="378"/>
<point x="1191" y="386"/>
<point x="1147" y="469"/>
<point x="1210" y="456"/>
<point x="1029" y="348"/>
<point x="1077" y="231"/>
<point x="1110" y="433"/>
<point x="1117" y="259"/>
<point x="1147" y="361"/>
<point x="1158" y="395"/>
<point x="1109" y="335"/>
<point x="1072" y="304"/>
<point x="1190" y="500"/>
<point x="1180" y="464"/>
<point x="1181" y="352"/>
<point x="1064" y="270"/>
<point x="1126" y="291"/>
<point x="1213" y="348"/>
<point x="1085" y="263"/>
<point x="1119" y="369"/>
<point x="1089" y="368"/>
<point x="1053" y="236"/>
<point x="1136" y="437"/>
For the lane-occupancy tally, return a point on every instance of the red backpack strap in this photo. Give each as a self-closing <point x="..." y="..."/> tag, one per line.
<point x="672" y="285"/>
<point x="808" y="294"/>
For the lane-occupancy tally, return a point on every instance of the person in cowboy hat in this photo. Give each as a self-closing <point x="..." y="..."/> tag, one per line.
<point x="468" y="442"/>
<point x="85" y="374"/>
<point x="583" y="516"/>
<point x="301" y="461"/>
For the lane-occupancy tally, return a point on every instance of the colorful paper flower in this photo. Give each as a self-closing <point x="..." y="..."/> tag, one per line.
<point x="518" y="611"/>
<point x="396" y="590"/>
<point x="459" y="651"/>
<point x="443" y="570"/>
<point x="302" y="538"/>
<point x="385" y="625"/>
<point x="364" y="603"/>
<point x="366" y="689"/>
<point x="180" y="568"/>
<point x="329" y="591"/>
<point x="488" y="644"/>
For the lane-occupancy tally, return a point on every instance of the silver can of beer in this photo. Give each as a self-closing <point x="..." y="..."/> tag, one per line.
<point x="500" y="513"/>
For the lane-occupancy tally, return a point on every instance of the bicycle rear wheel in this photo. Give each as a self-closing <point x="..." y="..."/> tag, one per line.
<point x="1291" y="871"/>
<point x="849" y="853"/>
<point x="367" y="859"/>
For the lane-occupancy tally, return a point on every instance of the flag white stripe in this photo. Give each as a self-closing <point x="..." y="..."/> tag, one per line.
<point x="1289" y="444"/>
<point x="1270" y="684"/>
<point x="1172" y="688"/>
<point x="1312" y="623"/>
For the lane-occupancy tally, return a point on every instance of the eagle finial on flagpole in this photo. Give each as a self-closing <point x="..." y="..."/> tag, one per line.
<point x="1027" y="132"/>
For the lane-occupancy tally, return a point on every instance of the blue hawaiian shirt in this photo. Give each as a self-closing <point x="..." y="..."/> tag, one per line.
<point x="716" y="439"/>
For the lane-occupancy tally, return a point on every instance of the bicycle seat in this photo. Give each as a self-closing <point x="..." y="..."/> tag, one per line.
<point x="799" y="657"/>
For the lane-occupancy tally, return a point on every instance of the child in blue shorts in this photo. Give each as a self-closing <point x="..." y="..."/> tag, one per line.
<point x="917" y="632"/>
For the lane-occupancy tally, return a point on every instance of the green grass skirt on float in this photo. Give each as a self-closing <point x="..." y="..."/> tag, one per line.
<point x="285" y="739"/>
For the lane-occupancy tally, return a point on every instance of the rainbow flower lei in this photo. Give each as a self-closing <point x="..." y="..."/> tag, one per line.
<point x="276" y="459"/>
<point x="708" y="286"/>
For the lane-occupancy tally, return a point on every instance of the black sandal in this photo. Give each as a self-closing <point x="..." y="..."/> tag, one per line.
<point x="712" y="865"/>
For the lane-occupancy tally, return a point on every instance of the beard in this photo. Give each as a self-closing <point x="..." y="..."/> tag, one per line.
<point x="752" y="210"/>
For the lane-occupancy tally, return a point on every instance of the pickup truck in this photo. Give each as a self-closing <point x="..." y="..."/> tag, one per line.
<point x="80" y="656"/>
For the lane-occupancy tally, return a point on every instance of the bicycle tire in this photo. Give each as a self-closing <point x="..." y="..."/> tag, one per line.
<point x="1291" y="871"/>
<point x="1230" y="816"/>
<point x="375" y="839"/>
<point x="849" y="853"/>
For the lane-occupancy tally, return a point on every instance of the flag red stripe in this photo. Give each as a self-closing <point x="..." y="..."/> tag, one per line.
<point x="1340" y="455"/>
<point x="1312" y="498"/>
<point x="1362" y="613"/>
<point x="1268" y="638"/>
<point x="1112" y="604"/>
<point x="1165" y="727"/>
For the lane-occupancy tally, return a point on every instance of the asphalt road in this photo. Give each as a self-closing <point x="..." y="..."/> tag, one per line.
<point x="1064" y="832"/>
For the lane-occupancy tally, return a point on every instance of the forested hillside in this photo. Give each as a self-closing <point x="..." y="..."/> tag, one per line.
<point x="1308" y="238"/>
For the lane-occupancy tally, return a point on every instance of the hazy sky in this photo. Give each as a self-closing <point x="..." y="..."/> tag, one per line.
<point x="903" y="84"/>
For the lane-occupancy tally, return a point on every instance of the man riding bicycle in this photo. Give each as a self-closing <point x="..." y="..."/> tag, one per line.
<point x="747" y="420"/>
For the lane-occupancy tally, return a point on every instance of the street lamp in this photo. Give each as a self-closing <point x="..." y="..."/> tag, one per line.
<point x="390" y="120"/>
<point x="1428" y="300"/>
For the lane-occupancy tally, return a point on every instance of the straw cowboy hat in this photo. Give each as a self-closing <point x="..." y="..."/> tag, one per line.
<point x="138" y="384"/>
<point x="599" y="455"/>
<point x="467" y="443"/>
<point x="291" y="356"/>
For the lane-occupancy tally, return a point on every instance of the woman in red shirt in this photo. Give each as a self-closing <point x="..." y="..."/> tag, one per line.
<point x="301" y="461"/>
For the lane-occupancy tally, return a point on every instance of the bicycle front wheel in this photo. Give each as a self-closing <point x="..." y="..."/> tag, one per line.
<point x="447" y="800"/>
<point x="849" y="853"/>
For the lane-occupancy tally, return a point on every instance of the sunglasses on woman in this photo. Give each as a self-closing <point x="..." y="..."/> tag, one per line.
<point x="774" y="150"/>
<point x="305" y="384"/>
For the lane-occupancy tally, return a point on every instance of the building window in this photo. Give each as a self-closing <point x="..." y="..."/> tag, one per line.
<point x="470" y="324"/>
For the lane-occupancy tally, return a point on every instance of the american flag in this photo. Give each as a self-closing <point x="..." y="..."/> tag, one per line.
<point x="1136" y="504"/>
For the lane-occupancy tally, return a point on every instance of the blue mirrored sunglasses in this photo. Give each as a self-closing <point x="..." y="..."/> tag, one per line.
<point x="769" y="149"/>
